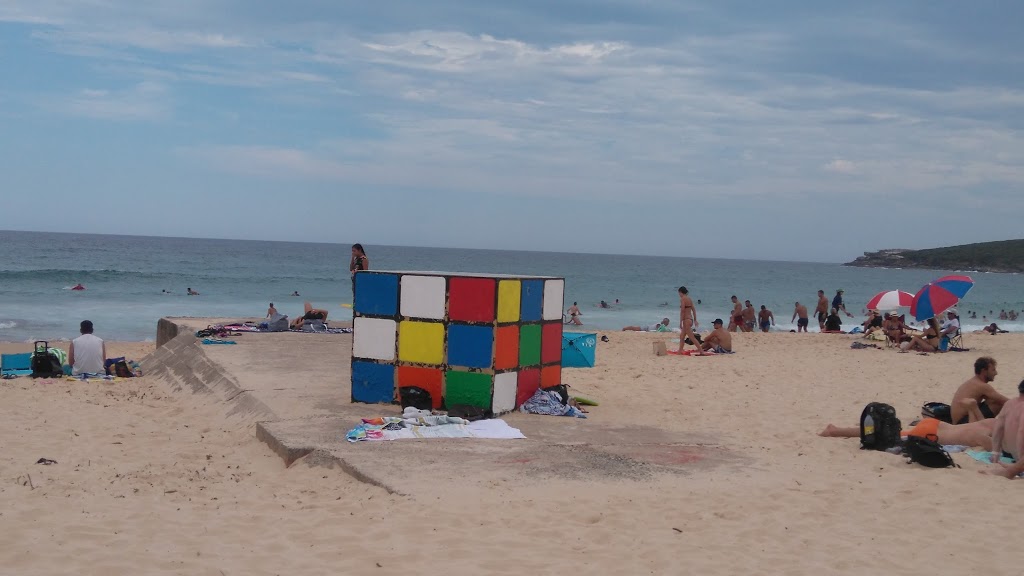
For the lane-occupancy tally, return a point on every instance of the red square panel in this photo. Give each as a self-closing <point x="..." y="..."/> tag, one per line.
<point x="550" y="376"/>
<point x="506" y="348"/>
<point x="551" y="343"/>
<point x="529" y="382"/>
<point x="471" y="299"/>
<point x="427" y="378"/>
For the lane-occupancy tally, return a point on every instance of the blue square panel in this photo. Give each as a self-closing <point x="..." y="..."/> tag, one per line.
<point x="373" y="383"/>
<point x="531" y="302"/>
<point x="470" y="346"/>
<point x="376" y="294"/>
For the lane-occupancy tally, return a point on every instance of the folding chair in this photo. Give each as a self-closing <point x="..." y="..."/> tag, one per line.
<point x="954" y="341"/>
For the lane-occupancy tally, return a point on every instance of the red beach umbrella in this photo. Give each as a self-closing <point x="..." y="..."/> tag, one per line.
<point x="890" y="299"/>
<point x="939" y="295"/>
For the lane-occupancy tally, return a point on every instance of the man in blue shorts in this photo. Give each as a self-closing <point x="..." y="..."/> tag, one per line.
<point x="800" y="311"/>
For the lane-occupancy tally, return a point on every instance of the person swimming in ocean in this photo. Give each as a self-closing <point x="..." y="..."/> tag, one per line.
<point x="78" y="287"/>
<point x="192" y="292"/>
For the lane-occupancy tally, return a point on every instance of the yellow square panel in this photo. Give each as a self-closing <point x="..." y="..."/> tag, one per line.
<point x="421" y="342"/>
<point x="508" y="300"/>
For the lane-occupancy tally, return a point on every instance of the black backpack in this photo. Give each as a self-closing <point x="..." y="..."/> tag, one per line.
<point x="927" y="452"/>
<point x="416" y="397"/>
<point x="937" y="410"/>
<point x="44" y="364"/>
<point x="471" y="413"/>
<point x="879" y="427"/>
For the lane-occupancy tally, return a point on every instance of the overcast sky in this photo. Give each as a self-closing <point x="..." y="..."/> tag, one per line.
<point x="769" y="130"/>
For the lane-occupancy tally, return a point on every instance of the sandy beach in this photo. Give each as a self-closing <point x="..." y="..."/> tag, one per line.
<point x="149" y="480"/>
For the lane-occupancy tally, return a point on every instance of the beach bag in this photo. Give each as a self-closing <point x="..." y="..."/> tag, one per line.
<point x="879" y="427"/>
<point x="314" y="326"/>
<point x="471" y="413"/>
<point x="562" y="390"/>
<point x="416" y="397"/>
<point x="44" y="364"/>
<point x="927" y="452"/>
<point x="937" y="410"/>
<point x="277" y="323"/>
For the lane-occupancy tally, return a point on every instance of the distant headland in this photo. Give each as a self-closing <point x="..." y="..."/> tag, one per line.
<point x="1002" y="256"/>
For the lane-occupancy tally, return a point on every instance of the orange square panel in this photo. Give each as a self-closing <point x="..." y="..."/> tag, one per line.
<point x="506" y="347"/>
<point x="430" y="379"/>
<point x="550" y="376"/>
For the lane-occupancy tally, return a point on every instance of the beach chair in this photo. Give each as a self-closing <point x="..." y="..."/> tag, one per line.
<point x="954" y="341"/>
<point x="889" y="342"/>
<point x="16" y="364"/>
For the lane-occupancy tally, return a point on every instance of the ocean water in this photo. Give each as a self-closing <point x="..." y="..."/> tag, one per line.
<point x="124" y="278"/>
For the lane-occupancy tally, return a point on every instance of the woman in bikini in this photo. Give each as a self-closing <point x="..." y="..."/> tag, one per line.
<point x="927" y="342"/>
<point x="687" y="321"/>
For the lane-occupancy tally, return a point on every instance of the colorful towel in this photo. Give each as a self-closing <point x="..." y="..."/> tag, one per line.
<point x="390" y="428"/>
<point x="694" y="352"/>
<point x="216" y="341"/>
<point x="986" y="457"/>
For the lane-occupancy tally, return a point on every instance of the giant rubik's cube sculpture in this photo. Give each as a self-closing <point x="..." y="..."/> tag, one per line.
<point x="483" y="340"/>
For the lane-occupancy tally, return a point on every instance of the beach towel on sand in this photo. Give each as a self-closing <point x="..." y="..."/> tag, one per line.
<point x="391" y="428"/>
<point x="694" y="353"/>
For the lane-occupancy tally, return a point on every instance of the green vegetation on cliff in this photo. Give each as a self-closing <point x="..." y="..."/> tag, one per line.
<point x="1002" y="256"/>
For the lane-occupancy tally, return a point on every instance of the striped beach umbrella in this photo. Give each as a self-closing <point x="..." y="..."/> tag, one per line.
<point x="890" y="300"/>
<point x="939" y="295"/>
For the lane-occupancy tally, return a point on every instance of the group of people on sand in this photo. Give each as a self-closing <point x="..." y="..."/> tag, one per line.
<point x="827" y="314"/>
<point x="744" y="318"/>
<point x="719" y="340"/>
<point x="357" y="263"/>
<point x="980" y="416"/>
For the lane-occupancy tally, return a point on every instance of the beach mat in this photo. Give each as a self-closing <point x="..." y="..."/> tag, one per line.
<point x="691" y="353"/>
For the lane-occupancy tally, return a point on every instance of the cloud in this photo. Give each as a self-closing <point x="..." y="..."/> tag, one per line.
<point x="145" y="38"/>
<point x="144" y="101"/>
<point x="611" y="103"/>
<point x="841" y="167"/>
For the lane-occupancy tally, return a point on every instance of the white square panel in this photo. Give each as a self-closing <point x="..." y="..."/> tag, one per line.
<point x="422" y="297"/>
<point x="373" y="338"/>
<point x="504" y="398"/>
<point x="553" y="299"/>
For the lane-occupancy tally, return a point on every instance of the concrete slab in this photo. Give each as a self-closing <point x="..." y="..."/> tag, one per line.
<point x="295" y="389"/>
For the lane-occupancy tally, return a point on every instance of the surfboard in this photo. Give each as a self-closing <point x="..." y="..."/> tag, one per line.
<point x="584" y="400"/>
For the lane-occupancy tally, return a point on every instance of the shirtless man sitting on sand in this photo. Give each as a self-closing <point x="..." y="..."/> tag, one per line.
<point x="687" y="320"/>
<point x="1008" y="435"/>
<point x="979" y="390"/>
<point x="719" y="341"/>
<point x="972" y="434"/>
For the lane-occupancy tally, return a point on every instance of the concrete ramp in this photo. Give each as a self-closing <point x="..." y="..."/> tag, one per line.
<point x="295" y="389"/>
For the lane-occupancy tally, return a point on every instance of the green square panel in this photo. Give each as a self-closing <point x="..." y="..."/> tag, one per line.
<point x="529" y="344"/>
<point x="472" y="388"/>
